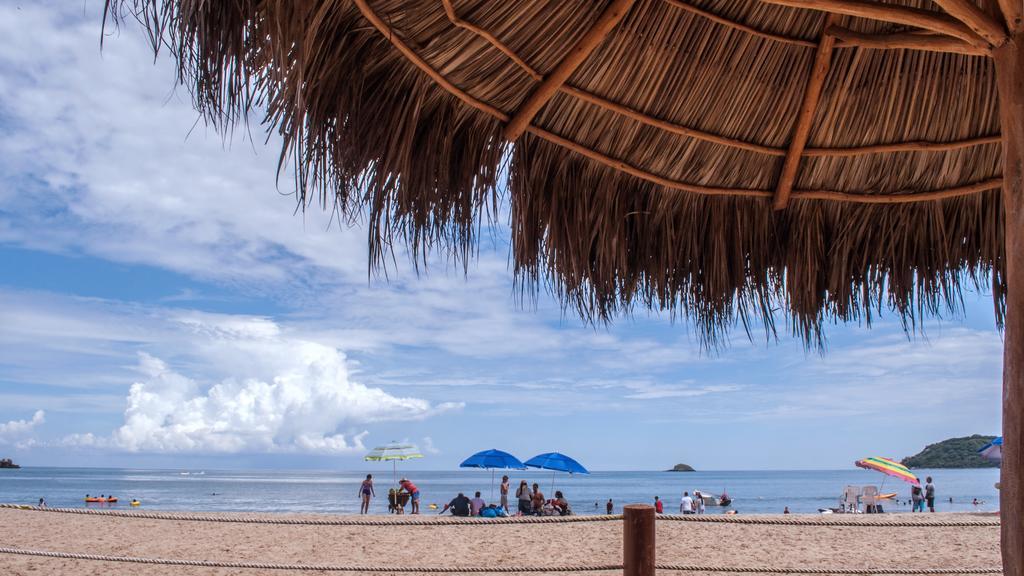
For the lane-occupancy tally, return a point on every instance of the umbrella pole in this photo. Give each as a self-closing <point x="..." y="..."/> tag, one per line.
<point x="492" y="486"/>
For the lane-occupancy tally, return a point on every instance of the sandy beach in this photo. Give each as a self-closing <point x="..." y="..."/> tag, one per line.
<point x="585" y="543"/>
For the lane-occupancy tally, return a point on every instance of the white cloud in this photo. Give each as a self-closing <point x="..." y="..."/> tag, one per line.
<point x="428" y="446"/>
<point x="101" y="147"/>
<point x="285" y="394"/>
<point x="20" y="428"/>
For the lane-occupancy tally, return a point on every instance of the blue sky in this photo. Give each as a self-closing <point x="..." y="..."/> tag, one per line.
<point x="162" y="304"/>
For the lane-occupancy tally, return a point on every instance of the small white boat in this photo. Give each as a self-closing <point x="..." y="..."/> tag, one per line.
<point x="712" y="500"/>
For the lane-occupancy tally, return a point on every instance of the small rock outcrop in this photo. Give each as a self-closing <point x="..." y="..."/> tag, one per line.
<point x="681" y="468"/>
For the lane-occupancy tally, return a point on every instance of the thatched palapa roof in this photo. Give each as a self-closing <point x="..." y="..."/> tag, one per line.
<point x="721" y="159"/>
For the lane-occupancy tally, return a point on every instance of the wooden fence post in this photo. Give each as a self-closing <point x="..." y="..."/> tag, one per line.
<point x="638" y="540"/>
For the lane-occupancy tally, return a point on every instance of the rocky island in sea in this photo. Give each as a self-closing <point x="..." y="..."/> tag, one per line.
<point x="681" y="468"/>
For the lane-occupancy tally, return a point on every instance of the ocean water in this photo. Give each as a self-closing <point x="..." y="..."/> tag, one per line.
<point x="335" y="492"/>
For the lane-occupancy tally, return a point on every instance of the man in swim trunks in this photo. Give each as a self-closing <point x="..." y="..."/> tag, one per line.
<point x="929" y="494"/>
<point x="414" y="494"/>
<point x="504" y="492"/>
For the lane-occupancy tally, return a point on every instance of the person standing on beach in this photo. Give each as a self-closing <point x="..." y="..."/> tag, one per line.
<point x="686" y="504"/>
<point x="414" y="494"/>
<point x="916" y="499"/>
<point x="523" y="494"/>
<point x="929" y="494"/>
<point x="609" y="507"/>
<point x="366" y="492"/>
<point x="698" y="502"/>
<point x="504" y="493"/>
<point x="659" y="507"/>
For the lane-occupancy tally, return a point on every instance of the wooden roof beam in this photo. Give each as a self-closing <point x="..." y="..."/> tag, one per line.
<point x="605" y="23"/>
<point x="719" y="19"/>
<point x="802" y="130"/>
<point x="1013" y="13"/>
<point x="970" y="14"/>
<point x="930" y="43"/>
<point x="926" y="19"/>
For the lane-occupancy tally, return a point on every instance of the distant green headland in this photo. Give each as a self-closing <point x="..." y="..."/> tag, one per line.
<point x="952" y="453"/>
<point x="681" y="468"/>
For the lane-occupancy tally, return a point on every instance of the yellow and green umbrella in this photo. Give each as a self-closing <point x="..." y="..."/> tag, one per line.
<point x="889" y="468"/>
<point x="393" y="452"/>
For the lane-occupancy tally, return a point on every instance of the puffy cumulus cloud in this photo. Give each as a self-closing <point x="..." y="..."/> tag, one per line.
<point x="284" y="394"/>
<point x="428" y="446"/>
<point x="19" y="428"/>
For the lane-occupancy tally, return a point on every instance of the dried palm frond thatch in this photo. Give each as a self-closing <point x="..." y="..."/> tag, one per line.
<point x="647" y="173"/>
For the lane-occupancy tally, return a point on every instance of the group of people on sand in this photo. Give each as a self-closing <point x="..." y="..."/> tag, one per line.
<point x="406" y="493"/>
<point x="531" y="502"/>
<point x="462" y="506"/>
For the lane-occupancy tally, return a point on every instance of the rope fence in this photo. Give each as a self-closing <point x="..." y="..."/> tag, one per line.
<point x="638" y="539"/>
<point x="499" y="569"/>
<point x="894" y="520"/>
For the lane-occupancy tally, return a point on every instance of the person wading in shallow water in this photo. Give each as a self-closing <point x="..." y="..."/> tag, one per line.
<point x="929" y="494"/>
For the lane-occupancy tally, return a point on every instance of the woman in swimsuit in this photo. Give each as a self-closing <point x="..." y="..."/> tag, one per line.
<point x="523" y="495"/>
<point x="366" y="492"/>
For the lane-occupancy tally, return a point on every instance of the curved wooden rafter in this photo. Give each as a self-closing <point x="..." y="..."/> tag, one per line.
<point x="740" y="26"/>
<point x="674" y="128"/>
<point x="976" y="19"/>
<point x="627" y="168"/>
<point x="581" y="50"/>
<point x="927" y="19"/>
<point x="905" y="40"/>
<point x="805" y="117"/>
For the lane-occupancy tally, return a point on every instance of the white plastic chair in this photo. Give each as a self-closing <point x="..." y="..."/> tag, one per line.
<point x="869" y="498"/>
<point x="850" y="499"/>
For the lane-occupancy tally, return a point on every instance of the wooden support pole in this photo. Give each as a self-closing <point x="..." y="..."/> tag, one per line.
<point x="930" y="43"/>
<point x="802" y="130"/>
<point x="607" y="21"/>
<point x="1009" y="66"/>
<point x="638" y="540"/>
<point x="969" y="13"/>
<point x="926" y="19"/>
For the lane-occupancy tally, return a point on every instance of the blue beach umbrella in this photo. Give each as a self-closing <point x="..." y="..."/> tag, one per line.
<point x="491" y="460"/>
<point x="993" y="450"/>
<point x="556" y="462"/>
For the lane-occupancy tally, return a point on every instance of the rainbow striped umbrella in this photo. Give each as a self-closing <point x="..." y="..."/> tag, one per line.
<point x="889" y="468"/>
